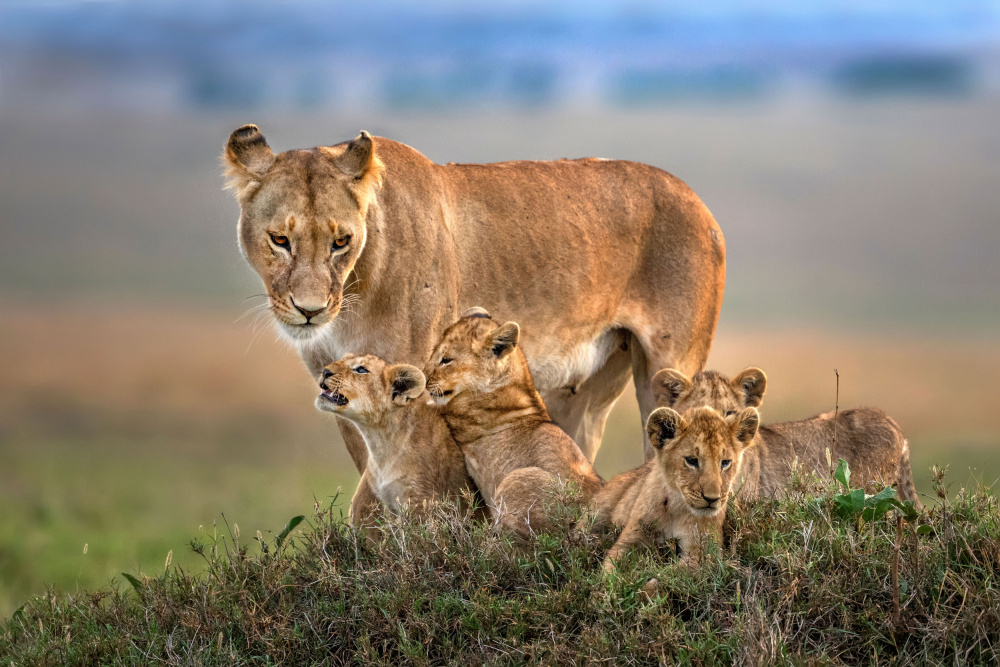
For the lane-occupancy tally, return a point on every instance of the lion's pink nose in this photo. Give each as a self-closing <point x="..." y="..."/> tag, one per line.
<point x="309" y="312"/>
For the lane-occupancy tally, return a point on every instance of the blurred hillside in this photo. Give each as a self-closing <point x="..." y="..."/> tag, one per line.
<point x="435" y="55"/>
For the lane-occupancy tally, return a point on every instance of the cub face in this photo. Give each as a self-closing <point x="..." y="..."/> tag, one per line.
<point x="700" y="453"/>
<point x="474" y="354"/>
<point x="302" y="222"/>
<point x="673" y="389"/>
<point x="364" y="388"/>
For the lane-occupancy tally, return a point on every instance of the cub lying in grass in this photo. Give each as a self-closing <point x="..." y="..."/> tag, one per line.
<point x="683" y="490"/>
<point x="412" y="458"/>
<point x="869" y="440"/>
<point x="517" y="456"/>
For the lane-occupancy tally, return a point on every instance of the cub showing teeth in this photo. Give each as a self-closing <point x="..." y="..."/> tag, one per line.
<point x="334" y="397"/>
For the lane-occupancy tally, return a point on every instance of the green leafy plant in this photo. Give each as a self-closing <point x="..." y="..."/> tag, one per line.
<point x="855" y="503"/>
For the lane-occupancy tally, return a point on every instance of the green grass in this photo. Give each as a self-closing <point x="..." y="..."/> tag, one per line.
<point x="132" y="500"/>
<point x="794" y="584"/>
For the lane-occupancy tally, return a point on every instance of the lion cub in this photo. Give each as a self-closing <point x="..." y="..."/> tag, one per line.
<point x="517" y="456"/>
<point x="869" y="440"/>
<point x="412" y="458"/>
<point x="683" y="490"/>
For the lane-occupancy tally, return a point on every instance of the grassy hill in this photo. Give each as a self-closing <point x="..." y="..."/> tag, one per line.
<point x="797" y="582"/>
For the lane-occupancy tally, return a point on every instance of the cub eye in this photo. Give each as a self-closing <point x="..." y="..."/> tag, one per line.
<point x="281" y="241"/>
<point x="730" y="413"/>
<point x="340" y="243"/>
<point x="445" y="361"/>
<point x="691" y="461"/>
<point x="361" y="369"/>
<point x="725" y="463"/>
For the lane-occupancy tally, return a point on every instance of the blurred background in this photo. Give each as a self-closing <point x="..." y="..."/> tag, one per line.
<point x="850" y="152"/>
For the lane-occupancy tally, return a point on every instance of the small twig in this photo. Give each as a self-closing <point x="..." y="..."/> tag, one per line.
<point x="836" y="410"/>
<point x="895" y="571"/>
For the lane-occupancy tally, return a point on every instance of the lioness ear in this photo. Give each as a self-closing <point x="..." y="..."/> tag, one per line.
<point x="247" y="157"/>
<point x="663" y="426"/>
<point x="504" y="339"/>
<point x="668" y="385"/>
<point x="359" y="156"/>
<point x="745" y="425"/>
<point x="407" y="383"/>
<point x="751" y="383"/>
<point x="476" y="311"/>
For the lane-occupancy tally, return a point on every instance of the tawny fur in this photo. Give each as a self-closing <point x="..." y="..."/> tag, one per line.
<point x="520" y="460"/>
<point x="868" y="439"/>
<point x="684" y="490"/>
<point x="616" y="269"/>
<point x="412" y="458"/>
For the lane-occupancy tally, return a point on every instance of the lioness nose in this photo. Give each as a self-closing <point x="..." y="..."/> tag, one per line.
<point x="307" y="312"/>
<point x="710" y="501"/>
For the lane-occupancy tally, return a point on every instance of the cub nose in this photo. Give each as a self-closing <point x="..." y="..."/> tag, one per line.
<point x="306" y="312"/>
<point x="710" y="501"/>
<point x="326" y="373"/>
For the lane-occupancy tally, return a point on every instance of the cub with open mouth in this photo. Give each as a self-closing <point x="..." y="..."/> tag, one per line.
<point x="412" y="458"/>
<point x="519" y="459"/>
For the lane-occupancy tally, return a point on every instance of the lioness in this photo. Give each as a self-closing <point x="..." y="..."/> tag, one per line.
<point x="869" y="440"/>
<point x="681" y="493"/>
<point x="412" y="458"/>
<point x="516" y="455"/>
<point x="616" y="269"/>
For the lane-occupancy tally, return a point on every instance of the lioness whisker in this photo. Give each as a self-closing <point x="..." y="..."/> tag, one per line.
<point x="251" y="310"/>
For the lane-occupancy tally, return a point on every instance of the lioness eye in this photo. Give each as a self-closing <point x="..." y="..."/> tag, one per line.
<point x="445" y="361"/>
<point x="361" y="369"/>
<point x="281" y="241"/>
<point x="340" y="243"/>
<point x="725" y="463"/>
<point x="691" y="461"/>
<point x="730" y="413"/>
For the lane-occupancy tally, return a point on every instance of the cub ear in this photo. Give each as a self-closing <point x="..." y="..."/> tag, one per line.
<point x="751" y="383"/>
<point x="476" y="311"/>
<point x="247" y="157"/>
<point x="407" y="383"/>
<point x="745" y="425"/>
<point x="664" y="426"/>
<point x="668" y="385"/>
<point x="504" y="339"/>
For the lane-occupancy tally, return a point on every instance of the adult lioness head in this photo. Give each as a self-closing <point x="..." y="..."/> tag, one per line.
<point x="700" y="453"/>
<point x="302" y="221"/>
<point x="673" y="389"/>
<point x="364" y="388"/>
<point x="474" y="354"/>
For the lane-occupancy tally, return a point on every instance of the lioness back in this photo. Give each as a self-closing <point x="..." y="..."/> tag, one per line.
<point x="868" y="439"/>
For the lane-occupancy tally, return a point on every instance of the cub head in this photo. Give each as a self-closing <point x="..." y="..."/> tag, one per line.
<point x="302" y="221"/>
<point x="363" y="388"/>
<point x="672" y="389"/>
<point x="700" y="453"/>
<point x="475" y="354"/>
